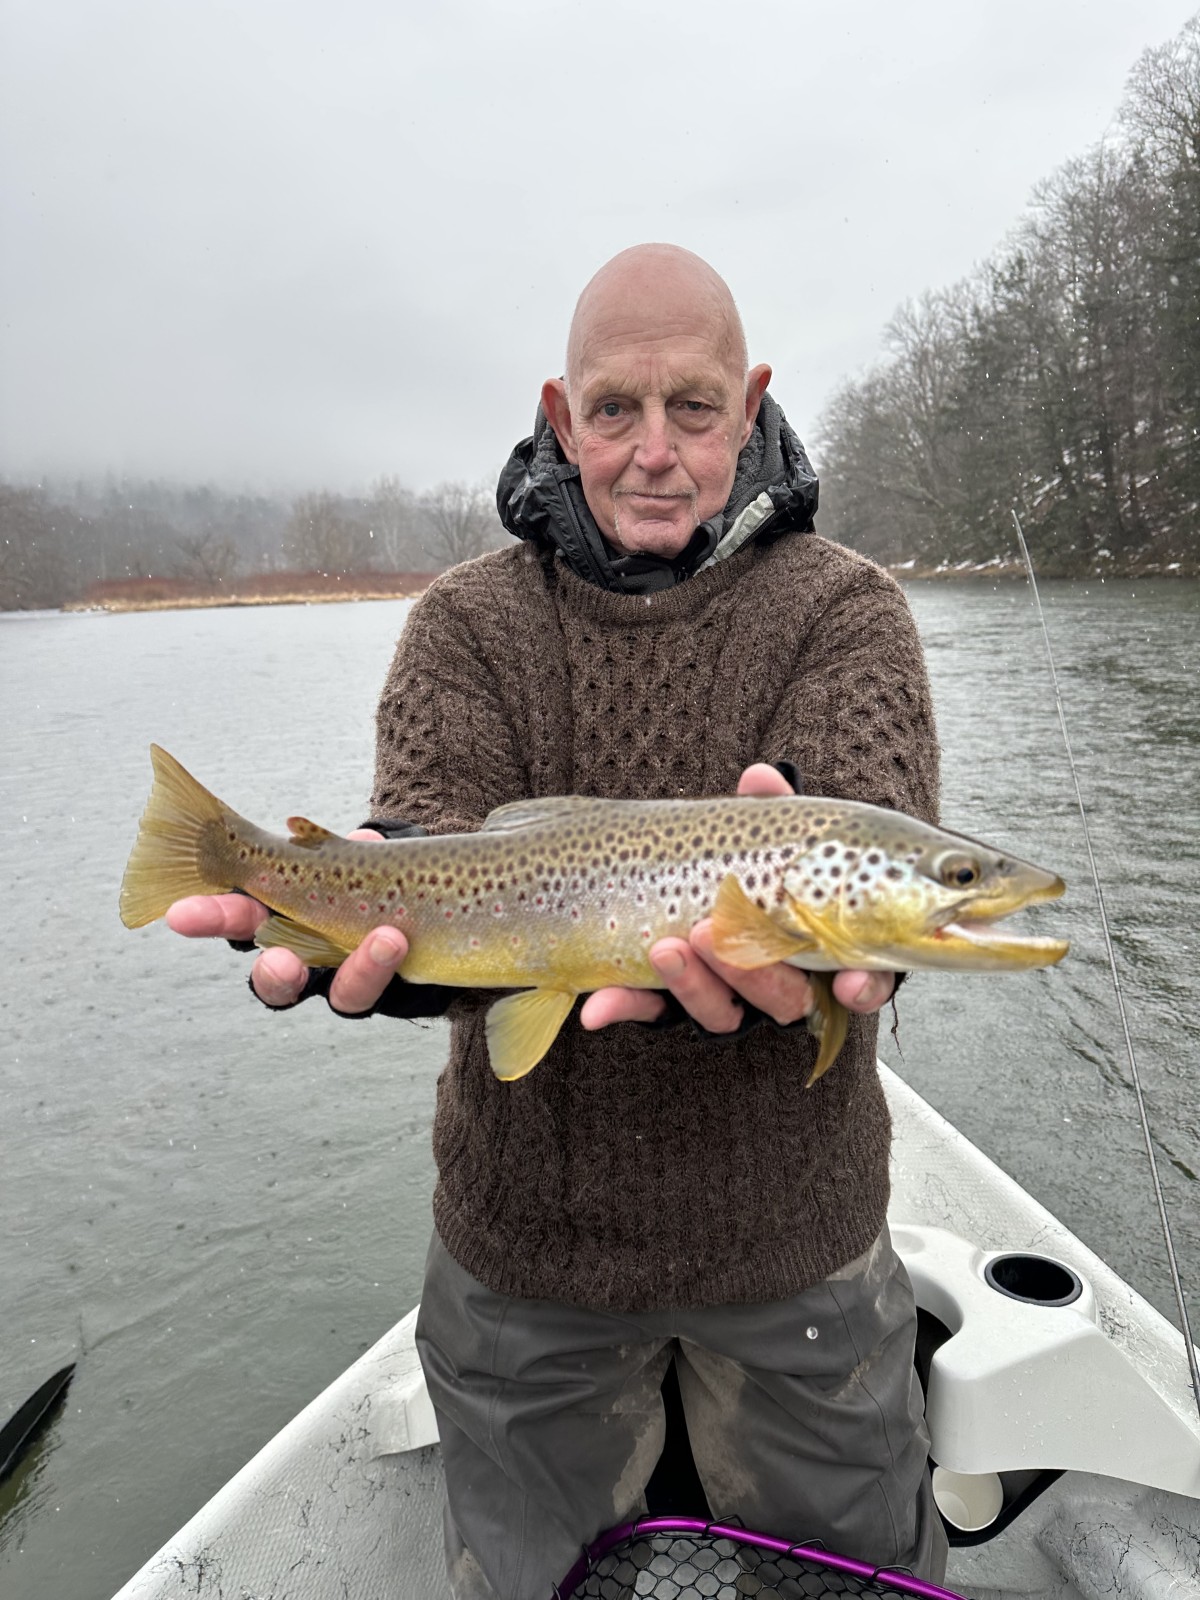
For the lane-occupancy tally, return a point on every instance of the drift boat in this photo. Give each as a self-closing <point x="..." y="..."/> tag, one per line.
<point x="1065" y="1433"/>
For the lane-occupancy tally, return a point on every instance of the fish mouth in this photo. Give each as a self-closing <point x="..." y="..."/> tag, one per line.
<point x="988" y="909"/>
<point x="982" y="936"/>
<point x="973" y="928"/>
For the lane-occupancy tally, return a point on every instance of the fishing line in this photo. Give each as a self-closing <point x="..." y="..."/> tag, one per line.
<point x="1176" y="1284"/>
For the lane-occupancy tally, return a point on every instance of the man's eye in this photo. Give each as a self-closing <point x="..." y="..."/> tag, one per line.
<point x="611" y="408"/>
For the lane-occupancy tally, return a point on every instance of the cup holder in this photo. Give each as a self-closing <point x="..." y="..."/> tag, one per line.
<point x="1036" y="1280"/>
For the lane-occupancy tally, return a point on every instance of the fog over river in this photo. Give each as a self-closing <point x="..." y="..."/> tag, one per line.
<point x="214" y="1209"/>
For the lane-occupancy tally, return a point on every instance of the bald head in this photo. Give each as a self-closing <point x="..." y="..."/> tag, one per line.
<point x="660" y="287"/>
<point x="657" y="401"/>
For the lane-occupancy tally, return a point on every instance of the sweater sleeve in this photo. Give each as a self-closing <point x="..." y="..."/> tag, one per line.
<point x="446" y="751"/>
<point x="857" y="715"/>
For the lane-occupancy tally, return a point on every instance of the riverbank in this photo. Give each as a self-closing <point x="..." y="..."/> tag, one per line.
<point x="264" y="589"/>
<point x="321" y="588"/>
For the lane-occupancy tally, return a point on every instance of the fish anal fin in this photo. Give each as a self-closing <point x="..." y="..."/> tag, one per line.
<point x="522" y="1027"/>
<point x="827" y="1022"/>
<point x="309" y="835"/>
<point x="313" y="948"/>
<point x="745" y="936"/>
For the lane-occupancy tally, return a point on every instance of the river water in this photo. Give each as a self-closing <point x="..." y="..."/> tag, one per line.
<point x="214" y="1209"/>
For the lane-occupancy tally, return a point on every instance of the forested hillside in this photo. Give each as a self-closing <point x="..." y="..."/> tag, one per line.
<point x="1063" y="378"/>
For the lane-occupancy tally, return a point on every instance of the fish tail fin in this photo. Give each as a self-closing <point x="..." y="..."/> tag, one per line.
<point x="174" y="844"/>
<point x="828" y="1023"/>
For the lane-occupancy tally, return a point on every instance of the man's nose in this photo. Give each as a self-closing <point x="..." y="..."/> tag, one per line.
<point x="655" y="450"/>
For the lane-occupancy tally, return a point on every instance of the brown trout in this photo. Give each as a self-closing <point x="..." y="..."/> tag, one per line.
<point x="559" y="897"/>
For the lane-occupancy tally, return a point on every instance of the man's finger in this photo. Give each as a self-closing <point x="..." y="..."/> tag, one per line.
<point x="699" y="990"/>
<point x="621" y="1005"/>
<point x="783" y="992"/>
<point x="863" y="991"/>
<point x="367" y="971"/>
<point x="216" y="916"/>
<point x="762" y="780"/>
<point x="278" y="976"/>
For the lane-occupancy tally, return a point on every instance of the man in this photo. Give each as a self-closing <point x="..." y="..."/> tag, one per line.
<point x="668" y="626"/>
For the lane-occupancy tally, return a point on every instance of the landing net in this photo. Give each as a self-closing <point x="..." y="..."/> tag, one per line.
<point x="683" y="1558"/>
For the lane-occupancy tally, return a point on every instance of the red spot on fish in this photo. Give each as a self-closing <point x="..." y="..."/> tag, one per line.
<point x="363" y="906"/>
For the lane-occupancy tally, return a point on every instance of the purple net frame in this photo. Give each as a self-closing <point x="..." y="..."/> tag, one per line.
<point x="890" y="1577"/>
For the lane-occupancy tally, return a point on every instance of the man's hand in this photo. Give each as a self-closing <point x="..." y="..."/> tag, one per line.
<point x="278" y="975"/>
<point x="712" y="992"/>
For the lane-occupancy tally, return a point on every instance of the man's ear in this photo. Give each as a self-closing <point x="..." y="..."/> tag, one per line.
<point x="756" y="386"/>
<point x="558" y="414"/>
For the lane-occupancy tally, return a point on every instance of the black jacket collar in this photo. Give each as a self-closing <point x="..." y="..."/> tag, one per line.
<point x="540" y="498"/>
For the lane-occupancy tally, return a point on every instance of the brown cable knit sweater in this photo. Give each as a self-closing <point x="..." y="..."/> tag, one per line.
<point x="634" y="1169"/>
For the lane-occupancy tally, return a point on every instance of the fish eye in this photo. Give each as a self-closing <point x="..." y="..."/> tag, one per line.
<point x="958" y="871"/>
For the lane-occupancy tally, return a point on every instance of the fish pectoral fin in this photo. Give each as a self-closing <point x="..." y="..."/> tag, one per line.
<point x="313" y="948"/>
<point x="309" y="835"/>
<point x="827" y="1022"/>
<point x="522" y="1027"/>
<point x="744" y="935"/>
<point x="825" y="934"/>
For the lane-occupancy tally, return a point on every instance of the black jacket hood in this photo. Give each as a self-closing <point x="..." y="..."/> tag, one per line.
<point x="540" y="498"/>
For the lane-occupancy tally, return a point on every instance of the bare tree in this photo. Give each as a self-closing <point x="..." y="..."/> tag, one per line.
<point x="460" y="522"/>
<point x="322" y="537"/>
<point x="34" y="570"/>
<point x="395" y="519"/>
<point x="208" y="556"/>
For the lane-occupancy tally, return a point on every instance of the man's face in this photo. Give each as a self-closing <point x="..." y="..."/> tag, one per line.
<point x="655" y="420"/>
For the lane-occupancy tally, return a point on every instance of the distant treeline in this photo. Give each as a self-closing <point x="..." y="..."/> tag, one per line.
<point x="58" y="540"/>
<point x="1063" y="378"/>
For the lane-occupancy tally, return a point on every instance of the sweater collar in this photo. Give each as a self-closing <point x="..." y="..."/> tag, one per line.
<point x="540" y="498"/>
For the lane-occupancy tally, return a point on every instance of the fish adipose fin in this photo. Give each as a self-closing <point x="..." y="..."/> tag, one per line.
<point x="744" y="935"/>
<point x="522" y="1027"/>
<point x="312" y="948"/>
<point x="311" y="835"/>
<point x="177" y="825"/>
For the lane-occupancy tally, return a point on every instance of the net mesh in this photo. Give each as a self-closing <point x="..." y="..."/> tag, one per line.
<point x="707" y="1566"/>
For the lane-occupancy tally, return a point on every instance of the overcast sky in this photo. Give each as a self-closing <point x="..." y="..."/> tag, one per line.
<point x="296" y="244"/>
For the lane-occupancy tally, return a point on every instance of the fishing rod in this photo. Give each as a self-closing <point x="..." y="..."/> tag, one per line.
<point x="1176" y="1284"/>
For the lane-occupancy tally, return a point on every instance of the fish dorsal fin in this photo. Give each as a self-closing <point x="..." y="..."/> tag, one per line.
<point x="522" y="1027"/>
<point x="313" y="948"/>
<point x="531" y="813"/>
<point x="309" y="835"/>
<point x="745" y="936"/>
